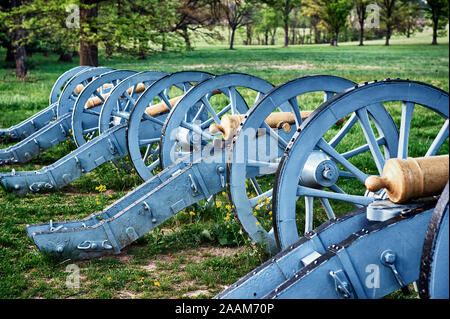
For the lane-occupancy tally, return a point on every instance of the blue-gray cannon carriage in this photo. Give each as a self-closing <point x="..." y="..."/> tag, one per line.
<point x="336" y="254"/>
<point x="111" y="125"/>
<point x="369" y="252"/>
<point x="58" y="130"/>
<point x="43" y="117"/>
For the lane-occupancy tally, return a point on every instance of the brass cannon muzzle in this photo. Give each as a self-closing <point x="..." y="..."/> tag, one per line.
<point x="410" y="178"/>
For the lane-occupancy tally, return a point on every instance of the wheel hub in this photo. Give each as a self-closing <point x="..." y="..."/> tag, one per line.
<point x="319" y="171"/>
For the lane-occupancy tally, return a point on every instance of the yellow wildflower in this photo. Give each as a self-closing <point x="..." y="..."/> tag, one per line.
<point x="108" y="278"/>
<point x="218" y="204"/>
<point x="157" y="284"/>
<point x="228" y="207"/>
<point x="191" y="213"/>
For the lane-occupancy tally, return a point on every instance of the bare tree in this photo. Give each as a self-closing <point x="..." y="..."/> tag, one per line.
<point x="234" y="13"/>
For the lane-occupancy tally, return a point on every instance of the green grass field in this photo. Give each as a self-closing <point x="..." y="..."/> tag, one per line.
<point x="194" y="255"/>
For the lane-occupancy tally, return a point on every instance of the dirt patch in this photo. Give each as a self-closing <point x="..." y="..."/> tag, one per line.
<point x="196" y="293"/>
<point x="128" y="295"/>
<point x="192" y="256"/>
<point x="303" y="66"/>
<point x="124" y="257"/>
<point x="259" y="65"/>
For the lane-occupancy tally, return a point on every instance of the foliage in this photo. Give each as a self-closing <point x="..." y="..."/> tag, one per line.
<point x="437" y="11"/>
<point x="333" y="14"/>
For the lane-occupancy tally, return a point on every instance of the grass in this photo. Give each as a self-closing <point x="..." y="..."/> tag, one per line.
<point x="191" y="255"/>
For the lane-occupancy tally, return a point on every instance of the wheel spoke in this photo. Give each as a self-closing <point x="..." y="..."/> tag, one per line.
<point x="328" y="209"/>
<point x="328" y="95"/>
<point x="211" y="111"/>
<point x="254" y="200"/>
<point x="355" y="199"/>
<point x="200" y="110"/>
<point x="309" y="210"/>
<point x="256" y="186"/>
<point x="129" y="97"/>
<point x="209" y="121"/>
<point x="262" y="164"/>
<point x="96" y="93"/>
<point x="90" y="130"/>
<point x="344" y="130"/>
<point x="144" y="142"/>
<point x="232" y="93"/>
<point x="186" y="86"/>
<point x="337" y="189"/>
<point x="151" y="118"/>
<point x="197" y="129"/>
<point x="324" y="146"/>
<point x="296" y="110"/>
<point x="439" y="140"/>
<point x="165" y="99"/>
<point x="363" y="117"/>
<point x="125" y="116"/>
<point x="153" y="165"/>
<point x="363" y="148"/>
<point x="87" y="111"/>
<point x="407" y="112"/>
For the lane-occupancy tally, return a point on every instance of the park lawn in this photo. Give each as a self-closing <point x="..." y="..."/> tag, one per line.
<point x="192" y="255"/>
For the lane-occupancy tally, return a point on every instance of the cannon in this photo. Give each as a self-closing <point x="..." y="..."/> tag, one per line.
<point x="388" y="241"/>
<point x="112" y="125"/>
<point x="55" y="131"/>
<point x="43" y="117"/>
<point x="196" y="170"/>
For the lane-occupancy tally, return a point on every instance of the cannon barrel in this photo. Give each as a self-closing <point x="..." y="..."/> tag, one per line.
<point x="405" y="179"/>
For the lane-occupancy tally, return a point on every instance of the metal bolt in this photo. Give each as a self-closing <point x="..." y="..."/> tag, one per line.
<point x="389" y="258"/>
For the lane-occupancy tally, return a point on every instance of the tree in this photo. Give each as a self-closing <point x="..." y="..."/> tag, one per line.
<point x="234" y="13"/>
<point x="438" y="12"/>
<point x="193" y="15"/>
<point x="285" y="8"/>
<point x="333" y="14"/>
<point x="389" y="16"/>
<point x="411" y="16"/>
<point x="361" y="14"/>
<point x="12" y="20"/>
<point x="269" y="23"/>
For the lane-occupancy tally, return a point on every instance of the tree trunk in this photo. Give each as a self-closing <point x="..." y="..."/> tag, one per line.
<point x="266" y="38"/>
<point x="435" y="29"/>
<point x="19" y="52"/>
<point x="164" y="44"/>
<point x="249" y="34"/>
<point x="286" y="32"/>
<point x="388" y="35"/>
<point x="88" y="49"/>
<point x="334" y="42"/>
<point x="272" y="38"/>
<point x="187" y="39"/>
<point x="361" y="33"/>
<point x="233" y="30"/>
